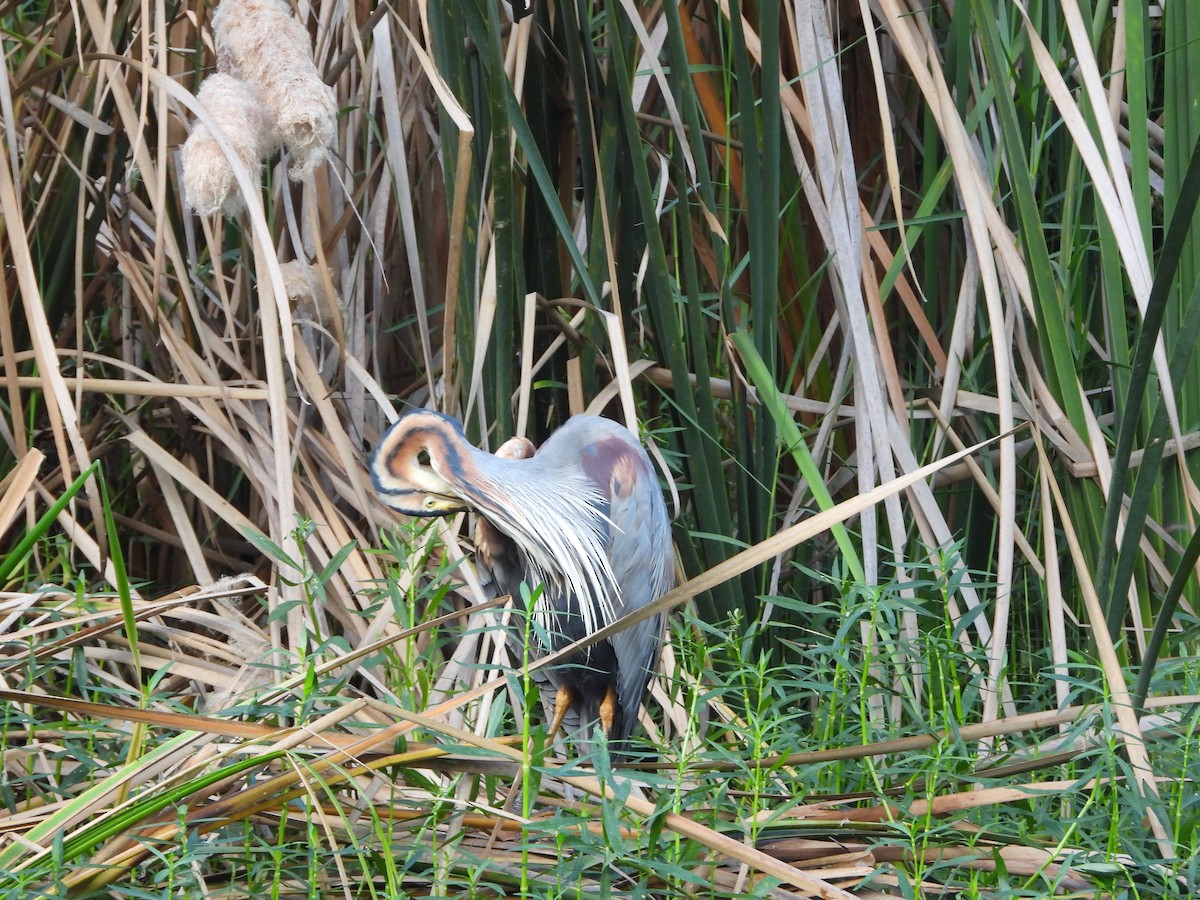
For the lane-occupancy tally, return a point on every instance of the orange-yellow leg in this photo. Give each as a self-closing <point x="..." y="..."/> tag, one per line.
<point x="562" y="703"/>
<point x="608" y="710"/>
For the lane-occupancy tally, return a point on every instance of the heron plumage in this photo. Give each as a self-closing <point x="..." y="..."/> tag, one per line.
<point x="582" y="516"/>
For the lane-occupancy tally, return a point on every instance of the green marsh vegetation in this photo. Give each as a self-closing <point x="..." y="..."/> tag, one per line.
<point x="807" y="249"/>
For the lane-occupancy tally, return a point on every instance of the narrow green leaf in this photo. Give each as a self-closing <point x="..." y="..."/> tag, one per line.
<point x="20" y="553"/>
<point x="793" y="441"/>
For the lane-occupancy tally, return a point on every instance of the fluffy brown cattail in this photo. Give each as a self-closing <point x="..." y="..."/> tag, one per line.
<point x="261" y="42"/>
<point x="208" y="181"/>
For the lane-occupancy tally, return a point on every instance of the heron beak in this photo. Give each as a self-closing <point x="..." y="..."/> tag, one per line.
<point x="412" y="502"/>
<point x="441" y="505"/>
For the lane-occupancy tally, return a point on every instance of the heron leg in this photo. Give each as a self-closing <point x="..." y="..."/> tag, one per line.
<point x="562" y="703"/>
<point x="608" y="709"/>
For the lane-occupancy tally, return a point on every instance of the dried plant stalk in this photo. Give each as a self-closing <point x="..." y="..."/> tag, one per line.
<point x="261" y="42"/>
<point x="208" y="179"/>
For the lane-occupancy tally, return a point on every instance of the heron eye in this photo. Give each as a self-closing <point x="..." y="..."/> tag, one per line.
<point x="430" y="502"/>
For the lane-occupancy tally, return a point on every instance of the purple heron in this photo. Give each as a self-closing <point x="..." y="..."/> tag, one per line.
<point x="582" y="517"/>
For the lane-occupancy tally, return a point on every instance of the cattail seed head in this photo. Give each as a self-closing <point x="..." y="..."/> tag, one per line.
<point x="208" y="181"/>
<point x="261" y="42"/>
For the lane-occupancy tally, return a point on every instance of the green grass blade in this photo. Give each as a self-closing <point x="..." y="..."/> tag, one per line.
<point x="24" y="547"/>
<point x="793" y="441"/>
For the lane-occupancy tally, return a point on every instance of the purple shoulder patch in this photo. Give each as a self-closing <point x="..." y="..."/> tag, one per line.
<point x="614" y="465"/>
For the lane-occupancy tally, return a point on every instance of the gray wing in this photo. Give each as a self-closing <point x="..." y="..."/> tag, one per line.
<point x="639" y="549"/>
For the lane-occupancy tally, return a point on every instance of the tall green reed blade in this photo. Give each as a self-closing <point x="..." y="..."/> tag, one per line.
<point x="1058" y="355"/>
<point x="460" y="71"/>
<point x="684" y="92"/>
<point x="545" y="184"/>
<point x="760" y="126"/>
<point x="592" y="104"/>
<point x="1112" y="584"/>
<point x="557" y="101"/>
<point x="696" y="352"/>
<point x="584" y="74"/>
<point x="764" y="260"/>
<point x="495" y="102"/>
<point x="1032" y="145"/>
<point x="543" y="272"/>
<point x="1139" y="63"/>
<point x="493" y="80"/>
<point x="1181" y="118"/>
<point x="1162" y="621"/>
<point x="1149" y="479"/>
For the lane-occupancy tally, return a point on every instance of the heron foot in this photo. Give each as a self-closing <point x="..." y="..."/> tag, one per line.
<point x="608" y="710"/>
<point x="562" y="703"/>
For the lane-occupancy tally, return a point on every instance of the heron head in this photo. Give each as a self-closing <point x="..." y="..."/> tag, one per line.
<point x="417" y="464"/>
